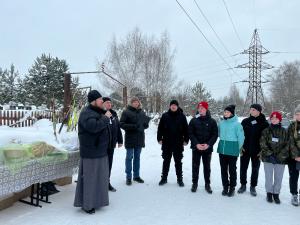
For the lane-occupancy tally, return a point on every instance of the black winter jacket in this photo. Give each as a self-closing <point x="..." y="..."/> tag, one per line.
<point x="173" y="130"/>
<point x="134" y="122"/>
<point x="93" y="132"/>
<point x="253" y="128"/>
<point x="116" y="133"/>
<point x="203" y="130"/>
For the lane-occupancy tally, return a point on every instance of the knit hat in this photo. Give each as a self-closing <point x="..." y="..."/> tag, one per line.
<point x="230" y="108"/>
<point x="276" y="115"/>
<point x="105" y="99"/>
<point x="133" y="99"/>
<point x="297" y="110"/>
<point x="93" y="95"/>
<point x="174" y="102"/>
<point x="256" y="106"/>
<point x="203" y="104"/>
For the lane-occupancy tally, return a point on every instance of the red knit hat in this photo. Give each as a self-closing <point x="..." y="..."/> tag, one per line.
<point x="203" y="104"/>
<point x="276" y="115"/>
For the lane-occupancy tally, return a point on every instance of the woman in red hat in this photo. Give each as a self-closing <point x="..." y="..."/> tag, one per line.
<point x="274" y="154"/>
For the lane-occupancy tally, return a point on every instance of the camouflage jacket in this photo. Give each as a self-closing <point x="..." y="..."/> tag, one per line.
<point x="274" y="143"/>
<point x="294" y="139"/>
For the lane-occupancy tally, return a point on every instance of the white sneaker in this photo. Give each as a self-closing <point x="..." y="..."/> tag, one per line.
<point x="294" y="200"/>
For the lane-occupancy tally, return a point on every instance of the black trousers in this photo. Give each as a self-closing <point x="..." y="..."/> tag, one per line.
<point x="228" y="164"/>
<point x="294" y="175"/>
<point x="244" y="163"/>
<point x="110" y="153"/>
<point x="206" y="159"/>
<point x="167" y="156"/>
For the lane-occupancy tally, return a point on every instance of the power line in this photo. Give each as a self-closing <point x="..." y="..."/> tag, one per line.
<point x="285" y="52"/>
<point x="211" y="45"/>
<point x="231" y="20"/>
<point x="220" y="40"/>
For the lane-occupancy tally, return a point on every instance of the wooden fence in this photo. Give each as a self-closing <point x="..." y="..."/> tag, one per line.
<point x="19" y="118"/>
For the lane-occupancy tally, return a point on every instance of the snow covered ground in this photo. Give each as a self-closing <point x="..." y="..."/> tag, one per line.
<point x="150" y="204"/>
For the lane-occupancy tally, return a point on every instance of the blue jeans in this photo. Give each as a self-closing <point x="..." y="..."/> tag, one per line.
<point x="132" y="153"/>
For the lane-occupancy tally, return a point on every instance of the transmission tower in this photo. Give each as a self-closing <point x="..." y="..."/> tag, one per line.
<point x="255" y="66"/>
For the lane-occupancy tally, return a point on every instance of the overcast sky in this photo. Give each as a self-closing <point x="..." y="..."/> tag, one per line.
<point x="79" y="31"/>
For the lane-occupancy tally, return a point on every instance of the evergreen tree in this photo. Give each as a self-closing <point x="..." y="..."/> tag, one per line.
<point x="45" y="81"/>
<point x="9" y="83"/>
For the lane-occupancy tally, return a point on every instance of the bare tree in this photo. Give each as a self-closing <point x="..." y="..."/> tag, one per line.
<point x="285" y="87"/>
<point x="144" y="64"/>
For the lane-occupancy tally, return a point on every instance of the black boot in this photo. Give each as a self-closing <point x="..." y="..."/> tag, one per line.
<point x="128" y="182"/>
<point x="180" y="182"/>
<point x="208" y="189"/>
<point x="225" y="191"/>
<point x="269" y="197"/>
<point x="231" y="191"/>
<point x="276" y="198"/>
<point x="242" y="189"/>
<point x="163" y="181"/>
<point x="111" y="188"/>
<point x="139" y="180"/>
<point x="194" y="187"/>
<point x="253" y="191"/>
<point x="90" y="211"/>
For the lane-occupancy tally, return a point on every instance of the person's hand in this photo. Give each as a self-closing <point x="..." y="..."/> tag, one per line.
<point x="297" y="159"/>
<point x="120" y="145"/>
<point x="185" y="144"/>
<point x="205" y="146"/>
<point x="160" y="142"/>
<point x="199" y="147"/>
<point x="108" y="114"/>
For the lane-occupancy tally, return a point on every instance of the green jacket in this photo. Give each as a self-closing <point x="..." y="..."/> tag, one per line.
<point x="274" y="142"/>
<point x="294" y="139"/>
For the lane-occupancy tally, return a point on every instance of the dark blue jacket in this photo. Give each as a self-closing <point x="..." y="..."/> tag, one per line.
<point x="134" y="122"/>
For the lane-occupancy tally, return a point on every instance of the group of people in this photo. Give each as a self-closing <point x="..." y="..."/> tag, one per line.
<point x="99" y="131"/>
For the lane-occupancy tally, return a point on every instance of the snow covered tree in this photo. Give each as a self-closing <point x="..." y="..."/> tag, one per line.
<point x="9" y="85"/>
<point x="45" y="80"/>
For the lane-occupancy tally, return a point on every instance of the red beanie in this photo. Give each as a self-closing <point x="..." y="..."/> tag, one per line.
<point x="276" y="115"/>
<point x="203" y="104"/>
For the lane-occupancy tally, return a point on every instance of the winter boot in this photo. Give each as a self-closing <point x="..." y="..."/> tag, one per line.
<point x="208" y="189"/>
<point x="194" y="187"/>
<point x="128" y="182"/>
<point x="231" y="192"/>
<point x="225" y="191"/>
<point x="276" y="198"/>
<point x="269" y="197"/>
<point x="294" y="200"/>
<point x="90" y="211"/>
<point x="111" y="188"/>
<point x="242" y="189"/>
<point x="253" y="191"/>
<point x="180" y="183"/>
<point x="139" y="180"/>
<point x="163" y="181"/>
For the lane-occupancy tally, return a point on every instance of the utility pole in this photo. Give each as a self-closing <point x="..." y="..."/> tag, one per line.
<point x="67" y="86"/>
<point x="255" y="66"/>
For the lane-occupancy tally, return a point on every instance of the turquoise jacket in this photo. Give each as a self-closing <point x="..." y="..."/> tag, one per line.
<point x="232" y="137"/>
